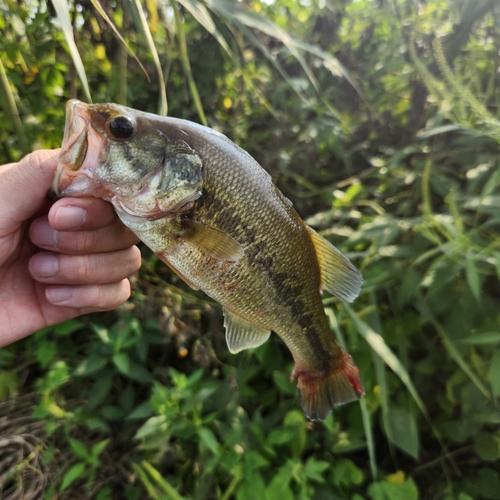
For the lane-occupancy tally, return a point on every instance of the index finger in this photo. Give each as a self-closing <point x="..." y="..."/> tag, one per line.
<point x="80" y="214"/>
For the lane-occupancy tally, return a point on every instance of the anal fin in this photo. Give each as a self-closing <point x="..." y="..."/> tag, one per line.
<point x="338" y="274"/>
<point x="241" y="334"/>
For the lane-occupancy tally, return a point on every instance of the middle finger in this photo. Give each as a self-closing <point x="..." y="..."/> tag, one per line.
<point x="112" y="237"/>
<point x="85" y="269"/>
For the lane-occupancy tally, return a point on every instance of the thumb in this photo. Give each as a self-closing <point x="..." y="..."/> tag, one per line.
<point x="24" y="187"/>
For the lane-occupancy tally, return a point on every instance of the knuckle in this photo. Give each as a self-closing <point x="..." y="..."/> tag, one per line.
<point x="85" y="241"/>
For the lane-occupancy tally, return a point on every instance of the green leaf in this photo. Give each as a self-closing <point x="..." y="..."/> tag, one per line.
<point x="208" y="438"/>
<point x="386" y="490"/>
<point x="111" y="412"/>
<point x="152" y="426"/>
<point x="78" y="448"/>
<point x="482" y="338"/>
<point x="98" y="448"/>
<point x="404" y="430"/>
<point x="45" y="351"/>
<point x="92" y="364"/>
<point x="314" y="469"/>
<point x="473" y="277"/>
<point x="487" y="446"/>
<point x="100" y="390"/>
<point x="74" y="473"/>
<point x="495" y="373"/>
<point x="122" y="362"/>
<point x="346" y="472"/>
<point x="139" y="373"/>
<point x="141" y="411"/>
<point x="68" y="327"/>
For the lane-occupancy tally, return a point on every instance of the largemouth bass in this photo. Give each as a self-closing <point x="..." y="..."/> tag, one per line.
<point x="214" y="216"/>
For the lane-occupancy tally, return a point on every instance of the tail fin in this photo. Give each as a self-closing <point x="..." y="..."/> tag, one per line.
<point x="320" y="390"/>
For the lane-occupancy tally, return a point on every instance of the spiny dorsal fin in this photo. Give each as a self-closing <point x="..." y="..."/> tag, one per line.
<point x="338" y="275"/>
<point x="241" y="334"/>
<point x="214" y="242"/>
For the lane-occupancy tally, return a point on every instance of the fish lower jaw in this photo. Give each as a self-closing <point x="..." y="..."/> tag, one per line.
<point x="140" y="207"/>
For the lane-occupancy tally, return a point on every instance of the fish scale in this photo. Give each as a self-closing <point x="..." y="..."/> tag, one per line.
<point x="215" y="217"/>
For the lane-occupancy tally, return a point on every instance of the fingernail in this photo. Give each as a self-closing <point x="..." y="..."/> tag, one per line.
<point x="44" y="265"/>
<point x="60" y="294"/>
<point x="43" y="235"/>
<point x="70" y="217"/>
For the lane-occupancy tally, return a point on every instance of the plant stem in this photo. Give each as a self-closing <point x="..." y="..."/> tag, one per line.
<point x="11" y="110"/>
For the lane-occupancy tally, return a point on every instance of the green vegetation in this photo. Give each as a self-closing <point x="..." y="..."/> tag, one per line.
<point x="379" y="120"/>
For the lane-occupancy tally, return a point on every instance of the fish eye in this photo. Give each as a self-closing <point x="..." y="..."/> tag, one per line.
<point x="121" y="127"/>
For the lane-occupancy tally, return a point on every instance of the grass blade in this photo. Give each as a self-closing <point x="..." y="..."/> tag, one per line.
<point x="181" y="38"/>
<point x="378" y="344"/>
<point x="452" y="348"/>
<point x="101" y="11"/>
<point x="253" y="20"/>
<point x="61" y="7"/>
<point x="141" y="21"/>
<point x="201" y="14"/>
<point x="370" y="442"/>
<point x="11" y="110"/>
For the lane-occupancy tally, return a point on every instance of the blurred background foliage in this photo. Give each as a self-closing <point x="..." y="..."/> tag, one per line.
<point x="379" y="120"/>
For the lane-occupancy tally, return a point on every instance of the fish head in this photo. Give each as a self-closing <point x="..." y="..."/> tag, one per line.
<point x="132" y="159"/>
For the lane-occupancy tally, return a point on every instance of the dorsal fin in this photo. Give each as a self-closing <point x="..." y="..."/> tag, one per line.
<point x="338" y="275"/>
<point x="241" y="334"/>
<point x="213" y="242"/>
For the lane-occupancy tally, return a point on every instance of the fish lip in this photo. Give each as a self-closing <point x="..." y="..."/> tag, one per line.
<point x="158" y="212"/>
<point x="69" y="173"/>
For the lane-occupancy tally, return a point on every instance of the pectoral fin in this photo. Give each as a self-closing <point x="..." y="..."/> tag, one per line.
<point x="241" y="334"/>
<point x="213" y="242"/>
<point x="338" y="275"/>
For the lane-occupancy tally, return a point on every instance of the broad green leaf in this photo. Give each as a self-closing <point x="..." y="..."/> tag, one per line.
<point x="112" y="412"/>
<point x="100" y="390"/>
<point x="45" y="351"/>
<point x="92" y="364"/>
<point x="346" y="472"/>
<point x="68" y="327"/>
<point x="153" y="425"/>
<point x="78" y="448"/>
<point x="209" y="439"/>
<point x="386" y="490"/>
<point x="487" y="446"/>
<point x="72" y="475"/>
<point x="404" y="430"/>
<point x="61" y="7"/>
<point x="98" y="448"/>
<point x="122" y="362"/>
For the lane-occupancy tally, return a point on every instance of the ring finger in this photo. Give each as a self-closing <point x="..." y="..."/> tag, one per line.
<point x="99" y="268"/>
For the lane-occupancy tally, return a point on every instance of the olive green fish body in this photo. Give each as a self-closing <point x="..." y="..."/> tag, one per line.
<point x="214" y="216"/>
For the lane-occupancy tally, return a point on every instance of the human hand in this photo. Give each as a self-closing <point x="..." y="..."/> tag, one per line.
<point x="86" y="259"/>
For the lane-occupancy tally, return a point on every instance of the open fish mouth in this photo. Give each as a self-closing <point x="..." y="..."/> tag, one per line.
<point x="70" y="179"/>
